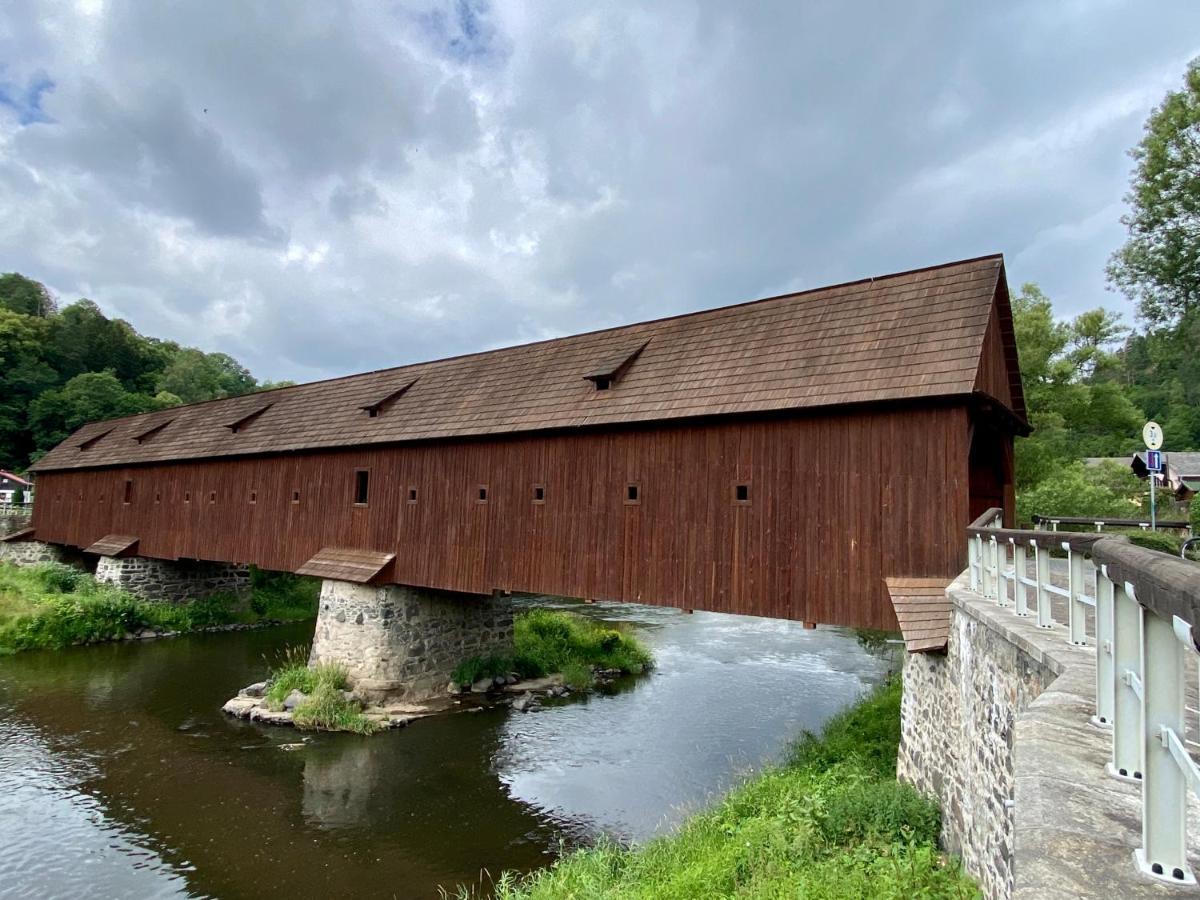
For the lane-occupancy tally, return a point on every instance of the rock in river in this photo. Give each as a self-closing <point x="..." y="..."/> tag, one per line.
<point x="294" y="699"/>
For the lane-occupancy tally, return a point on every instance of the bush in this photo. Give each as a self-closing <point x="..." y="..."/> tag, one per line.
<point x="327" y="709"/>
<point x="880" y="810"/>
<point x="1155" y="540"/>
<point x="282" y="595"/>
<point x="208" y="612"/>
<point x="1194" y="516"/>
<point x="546" y="641"/>
<point x="60" y="578"/>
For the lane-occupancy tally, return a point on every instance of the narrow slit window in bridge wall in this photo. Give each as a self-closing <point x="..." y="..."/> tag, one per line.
<point x="187" y="496"/>
<point x="539" y="493"/>
<point x="254" y="497"/>
<point x="633" y="494"/>
<point x="362" y="486"/>
<point x="741" y="494"/>
<point x="212" y="497"/>
<point x="295" y="496"/>
<point x="412" y="495"/>
<point x="128" y="491"/>
<point x="482" y="495"/>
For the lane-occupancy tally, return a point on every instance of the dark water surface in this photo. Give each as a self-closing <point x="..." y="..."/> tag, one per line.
<point x="120" y="777"/>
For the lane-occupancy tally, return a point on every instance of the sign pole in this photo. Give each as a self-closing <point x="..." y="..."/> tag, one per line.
<point x="1153" y="478"/>
<point x="1152" y="434"/>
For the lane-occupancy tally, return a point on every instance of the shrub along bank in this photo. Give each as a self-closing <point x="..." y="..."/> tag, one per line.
<point x="547" y="641"/>
<point x="53" y="605"/>
<point x="832" y="822"/>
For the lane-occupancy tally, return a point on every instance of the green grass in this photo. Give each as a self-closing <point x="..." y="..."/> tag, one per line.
<point x="52" y="606"/>
<point x="326" y="707"/>
<point x="547" y="641"/>
<point x="831" y="823"/>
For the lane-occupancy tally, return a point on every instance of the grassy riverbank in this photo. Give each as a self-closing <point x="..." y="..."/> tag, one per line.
<point x="832" y="822"/>
<point x="52" y="606"/>
<point x="547" y="641"/>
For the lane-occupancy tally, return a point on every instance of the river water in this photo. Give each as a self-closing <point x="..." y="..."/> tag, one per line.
<point x="120" y="777"/>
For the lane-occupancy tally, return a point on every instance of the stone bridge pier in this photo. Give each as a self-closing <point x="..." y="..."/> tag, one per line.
<point x="172" y="580"/>
<point x="400" y="642"/>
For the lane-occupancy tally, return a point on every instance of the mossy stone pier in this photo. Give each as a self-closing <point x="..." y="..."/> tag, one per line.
<point x="400" y="642"/>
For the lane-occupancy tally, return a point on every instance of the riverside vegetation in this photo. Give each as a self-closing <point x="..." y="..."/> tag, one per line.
<point x="832" y="822"/>
<point x="548" y="641"/>
<point x="53" y="605"/>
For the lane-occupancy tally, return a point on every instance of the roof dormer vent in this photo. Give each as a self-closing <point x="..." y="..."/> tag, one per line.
<point x="614" y="367"/>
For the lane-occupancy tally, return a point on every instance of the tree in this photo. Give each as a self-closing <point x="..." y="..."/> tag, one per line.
<point x="193" y="375"/>
<point x="23" y="376"/>
<point x="1159" y="266"/>
<point x="24" y="295"/>
<point x="1071" y="376"/>
<point x="89" y="397"/>
<point x="83" y="339"/>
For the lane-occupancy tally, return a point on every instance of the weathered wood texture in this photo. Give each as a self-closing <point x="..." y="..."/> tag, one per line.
<point x="836" y="502"/>
<point x="923" y="612"/>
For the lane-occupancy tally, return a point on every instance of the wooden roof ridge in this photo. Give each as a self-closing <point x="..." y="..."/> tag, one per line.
<point x="902" y="337"/>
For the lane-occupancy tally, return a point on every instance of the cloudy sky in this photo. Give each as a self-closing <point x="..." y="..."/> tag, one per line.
<point x="319" y="190"/>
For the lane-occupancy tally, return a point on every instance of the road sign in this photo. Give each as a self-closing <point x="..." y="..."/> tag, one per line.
<point x="1154" y="460"/>
<point x="1152" y="434"/>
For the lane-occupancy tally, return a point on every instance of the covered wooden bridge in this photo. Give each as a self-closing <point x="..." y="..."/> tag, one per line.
<point x="775" y="458"/>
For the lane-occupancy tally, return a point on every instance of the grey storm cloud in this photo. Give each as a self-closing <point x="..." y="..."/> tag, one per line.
<point x="319" y="189"/>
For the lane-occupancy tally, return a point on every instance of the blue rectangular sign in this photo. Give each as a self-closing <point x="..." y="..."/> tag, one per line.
<point x="1154" y="460"/>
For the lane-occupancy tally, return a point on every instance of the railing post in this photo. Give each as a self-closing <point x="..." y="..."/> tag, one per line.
<point x="985" y="575"/>
<point x="1042" y="565"/>
<point x="1105" y="675"/>
<point x="1127" y="702"/>
<point x="994" y="552"/>
<point x="973" y="563"/>
<point x="1020" y="565"/>
<point x="1165" y="787"/>
<point x="1076" y="608"/>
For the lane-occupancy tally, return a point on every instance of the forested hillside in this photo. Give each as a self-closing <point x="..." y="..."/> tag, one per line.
<point x="62" y="367"/>
<point x="1090" y="383"/>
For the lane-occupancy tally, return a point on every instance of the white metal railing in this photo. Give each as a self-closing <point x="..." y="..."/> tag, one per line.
<point x="1141" y="646"/>
<point x="8" y="509"/>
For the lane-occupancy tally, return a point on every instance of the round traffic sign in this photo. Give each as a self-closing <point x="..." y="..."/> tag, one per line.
<point x="1152" y="434"/>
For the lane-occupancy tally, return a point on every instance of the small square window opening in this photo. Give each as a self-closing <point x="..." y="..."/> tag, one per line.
<point x="741" y="493"/>
<point x="633" y="493"/>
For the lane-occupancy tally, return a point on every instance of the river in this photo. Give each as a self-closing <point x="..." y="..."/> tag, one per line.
<point x="120" y="777"/>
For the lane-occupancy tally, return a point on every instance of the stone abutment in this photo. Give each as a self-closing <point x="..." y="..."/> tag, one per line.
<point x="997" y="729"/>
<point x="400" y="642"/>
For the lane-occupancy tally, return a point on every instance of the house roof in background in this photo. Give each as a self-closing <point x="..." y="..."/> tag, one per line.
<point x="4" y="473"/>
<point x="911" y="335"/>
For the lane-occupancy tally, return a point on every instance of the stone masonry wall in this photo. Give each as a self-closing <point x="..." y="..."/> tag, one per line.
<point x="404" y="642"/>
<point x="30" y="553"/>
<point x="175" y="581"/>
<point x="959" y="717"/>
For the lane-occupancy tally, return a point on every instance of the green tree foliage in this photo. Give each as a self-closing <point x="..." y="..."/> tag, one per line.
<point x="193" y="375"/>
<point x="1159" y="266"/>
<point x="25" y="296"/>
<point x="62" y="368"/>
<point x="1070" y="373"/>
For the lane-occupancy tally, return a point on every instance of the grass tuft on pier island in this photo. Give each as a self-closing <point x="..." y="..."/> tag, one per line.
<point x="53" y="605"/>
<point x="546" y="641"/>
<point x="832" y="822"/>
<point x="325" y="706"/>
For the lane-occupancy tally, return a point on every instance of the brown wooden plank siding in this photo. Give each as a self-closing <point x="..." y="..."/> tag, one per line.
<point x="837" y="501"/>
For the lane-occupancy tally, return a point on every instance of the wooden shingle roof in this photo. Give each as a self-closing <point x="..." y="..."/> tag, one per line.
<point x="923" y="611"/>
<point x="912" y="335"/>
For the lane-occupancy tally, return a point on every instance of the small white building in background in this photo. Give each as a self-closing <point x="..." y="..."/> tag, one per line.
<point x="10" y="484"/>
